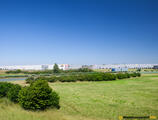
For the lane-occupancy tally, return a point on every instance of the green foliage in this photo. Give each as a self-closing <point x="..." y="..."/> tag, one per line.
<point x="135" y="74"/>
<point x="38" y="96"/>
<point x="30" y="79"/>
<point x="56" y="69"/>
<point x="85" y="77"/>
<point x="121" y="76"/>
<point x="67" y="79"/>
<point x="4" y="88"/>
<point x="52" y="79"/>
<point x="13" y="71"/>
<point x="96" y="76"/>
<point x="13" y="93"/>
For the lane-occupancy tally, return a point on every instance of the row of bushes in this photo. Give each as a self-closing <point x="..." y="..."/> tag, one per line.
<point x="37" y="96"/>
<point x="48" y="71"/>
<point x="85" y="77"/>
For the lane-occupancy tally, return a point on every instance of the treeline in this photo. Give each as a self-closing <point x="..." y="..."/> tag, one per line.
<point x="37" y="96"/>
<point x="85" y="77"/>
<point x="49" y="71"/>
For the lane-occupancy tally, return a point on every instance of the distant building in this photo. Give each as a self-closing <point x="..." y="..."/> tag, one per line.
<point x="34" y="67"/>
<point x="72" y="66"/>
<point x="44" y="67"/>
<point x="155" y="67"/>
<point x="87" y="66"/>
<point x="67" y="66"/>
<point x="64" y="66"/>
<point x="119" y="69"/>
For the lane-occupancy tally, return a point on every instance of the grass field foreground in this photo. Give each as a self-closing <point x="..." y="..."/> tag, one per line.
<point x="94" y="101"/>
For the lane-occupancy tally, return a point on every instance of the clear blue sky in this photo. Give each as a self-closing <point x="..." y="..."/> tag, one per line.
<point x="78" y="31"/>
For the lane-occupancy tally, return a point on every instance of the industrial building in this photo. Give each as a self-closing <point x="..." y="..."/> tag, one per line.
<point x="155" y="67"/>
<point x="34" y="67"/>
<point x="119" y="69"/>
<point x="73" y="66"/>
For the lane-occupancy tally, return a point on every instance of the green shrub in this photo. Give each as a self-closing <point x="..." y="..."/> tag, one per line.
<point x="138" y="74"/>
<point x="38" y="96"/>
<point x="127" y="75"/>
<point x="109" y="76"/>
<point x="133" y="74"/>
<point x="41" y="78"/>
<point x="13" y="71"/>
<point x="52" y="79"/>
<point x="30" y="80"/>
<point x="122" y="75"/>
<point x="13" y="93"/>
<point x="68" y="79"/>
<point x="4" y="88"/>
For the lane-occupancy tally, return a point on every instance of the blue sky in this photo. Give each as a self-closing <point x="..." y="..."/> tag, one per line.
<point x="78" y="31"/>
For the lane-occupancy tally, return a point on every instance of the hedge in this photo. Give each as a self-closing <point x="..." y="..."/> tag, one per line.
<point x="88" y="77"/>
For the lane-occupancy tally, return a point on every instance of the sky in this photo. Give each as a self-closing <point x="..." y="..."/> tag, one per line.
<point x="78" y="32"/>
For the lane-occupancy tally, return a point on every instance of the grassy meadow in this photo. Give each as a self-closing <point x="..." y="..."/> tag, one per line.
<point x="94" y="100"/>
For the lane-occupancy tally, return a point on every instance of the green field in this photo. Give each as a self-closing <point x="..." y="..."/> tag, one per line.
<point x="94" y="101"/>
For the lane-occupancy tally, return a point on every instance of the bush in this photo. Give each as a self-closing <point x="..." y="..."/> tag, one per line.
<point x="68" y="79"/>
<point x="109" y="76"/>
<point x="13" y="71"/>
<point x="123" y="75"/>
<point x="30" y="80"/>
<point x="135" y="74"/>
<point x="138" y="75"/>
<point x="52" y="79"/>
<point x="38" y="96"/>
<point x="4" y="88"/>
<point x="13" y="93"/>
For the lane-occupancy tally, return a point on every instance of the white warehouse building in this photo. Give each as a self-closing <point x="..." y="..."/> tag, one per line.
<point x="34" y="67"/>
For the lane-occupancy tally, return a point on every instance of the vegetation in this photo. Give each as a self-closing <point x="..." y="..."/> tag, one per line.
<point x="13" y="71"/>
<point x="13" y="93"/>
<point x="4" y="88"/>
<point x="56" y="69"/>
<point x="48" y="72"/>
<point x="38" y="96"/>
<point x="97" y="76"/>
<point x="30" y="79"/>
<point x="105" y="100"/>
<point x="10" y="91"/>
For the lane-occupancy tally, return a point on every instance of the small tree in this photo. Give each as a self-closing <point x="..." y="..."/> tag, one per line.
<point x="56" y="69"/>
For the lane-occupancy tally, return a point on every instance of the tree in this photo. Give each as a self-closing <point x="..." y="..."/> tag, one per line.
<point x="56" y="68"/>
